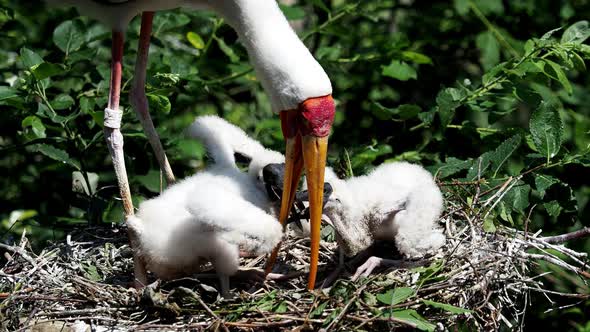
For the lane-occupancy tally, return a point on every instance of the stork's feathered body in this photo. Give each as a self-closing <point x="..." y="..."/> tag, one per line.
<point x="298" y="88"/>
<point x="207" y="216"/>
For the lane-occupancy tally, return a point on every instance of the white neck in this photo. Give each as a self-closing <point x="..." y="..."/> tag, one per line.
<point x="287" y="70"/>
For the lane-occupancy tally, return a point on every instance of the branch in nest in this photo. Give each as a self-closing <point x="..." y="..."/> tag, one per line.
<point x="582" y="233"/>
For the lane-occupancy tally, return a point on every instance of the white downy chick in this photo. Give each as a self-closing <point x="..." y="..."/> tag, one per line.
<point x="208" y="215"/>
<point x="396" y="201"/>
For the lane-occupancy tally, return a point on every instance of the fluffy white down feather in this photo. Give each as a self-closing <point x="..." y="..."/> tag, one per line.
<point x="208" y="215"/>
<point x="396" y="201"/>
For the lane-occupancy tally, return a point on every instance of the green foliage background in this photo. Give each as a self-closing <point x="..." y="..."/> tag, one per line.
<point x="457" y="86"/>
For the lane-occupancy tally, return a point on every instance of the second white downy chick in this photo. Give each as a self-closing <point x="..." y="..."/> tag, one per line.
<point x="397" y="201"/>
<point x="207" y="216"/>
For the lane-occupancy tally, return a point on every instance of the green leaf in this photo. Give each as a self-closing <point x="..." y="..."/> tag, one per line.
<point x="159" y="103"/>
<point x="518" y="197"/>
<point x="417" y="58"/>
<point x="503" y="152"/>
<point x="46" y="69"/>
<point x="320" y="4"/>
<point x="62" y="102"/>
<point x="399" y="70"/>
<point x="400" y="113"/>
<point x="151" y="181"/>
<point x="546" y="129"/>
<point x="37" y="127"/>
<point x="292" y="12"/>
<point x="30" y="58"/>
<point x="561" y="77"/>
<point x="577" y="33"/>
<point x="86" y="105"/>
<point x="56" y="154"/>
<point x="543" y="182"/>
<point x="195" y="40"/>
<point x="281" y="307"/>
<point x="7" y="92"/>
<point x="395" y="296"/>
<point x="227" y="50"/>
<point x="553" y="208"/>
<point x="550" y="33"/>
<point x="447" y="307"/>
<point x="413" y="319"/>
<point x="488" y="7"/>
<point x="319" y="310"/>
<point x="69" y="36"/>
<point x="461" y="6"/>
<point x="368" y="155"/>
<point x="166" y="21"/>
<point x="489" y="49"/>
<point x="452" y="166"/>
<point x="488" y="225"/>
<point x="91" y="272"/>
<point x="190" y="148"/>
<point x="447" y="101"/>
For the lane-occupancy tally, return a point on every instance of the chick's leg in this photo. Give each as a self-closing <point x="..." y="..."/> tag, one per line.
<point x="375" y="262"/>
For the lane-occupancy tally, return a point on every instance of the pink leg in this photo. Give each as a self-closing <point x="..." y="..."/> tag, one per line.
<point x="139" y="100"/>
<point x="114" y="138"/>
<point x="374" y="262"/>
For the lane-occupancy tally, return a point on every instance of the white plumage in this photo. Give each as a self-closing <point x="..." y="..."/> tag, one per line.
<point x="294" y="81"/>
<point x="285" y="67"/>
<point x="396" y="201"/>
<point x="208" y="215"/>
<point x="287" y="70"/>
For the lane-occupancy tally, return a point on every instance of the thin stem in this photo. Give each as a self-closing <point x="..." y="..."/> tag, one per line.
<point x="492" y="29"/>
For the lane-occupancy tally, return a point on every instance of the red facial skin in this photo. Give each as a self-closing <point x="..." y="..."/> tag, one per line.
<point x="314" y="117"/>
<point x="317" y="116"/>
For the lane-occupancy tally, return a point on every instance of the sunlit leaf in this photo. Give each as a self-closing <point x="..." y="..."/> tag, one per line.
<point x="30" y="58"/>
<point x="195" y="40"/>
<point x="504" y="151"/>
<point x="56" y="154"/>
<point x="543" y="182"/>
<point x="36" y="125"/>
<point x="447" y="307"/>
<point x="395" y="296"/>
<point x="399" y="70"/>
<point x="577" y="33"/>
<point x="546" y="129"/>
<point x="46" y="69"/>
<point x="413" y="318"/>
<point x="159" y="103"/>
<point x="69" y="36"/>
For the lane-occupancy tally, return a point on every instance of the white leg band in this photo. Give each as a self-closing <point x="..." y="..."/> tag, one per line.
<point x="112" y="118"/>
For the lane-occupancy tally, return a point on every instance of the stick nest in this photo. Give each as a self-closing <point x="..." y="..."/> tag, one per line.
<point x="481" y="279"/>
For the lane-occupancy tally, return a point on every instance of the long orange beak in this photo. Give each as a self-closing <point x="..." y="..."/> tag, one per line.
<point x="306" y="132"/>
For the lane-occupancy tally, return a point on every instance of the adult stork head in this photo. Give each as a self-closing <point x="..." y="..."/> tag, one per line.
<point x="299" y="90"/>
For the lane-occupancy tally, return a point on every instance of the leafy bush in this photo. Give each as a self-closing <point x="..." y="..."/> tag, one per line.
<point x="480" y="91"/>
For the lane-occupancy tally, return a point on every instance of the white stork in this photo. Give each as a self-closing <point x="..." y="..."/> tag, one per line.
<point x="299" y="90"/>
